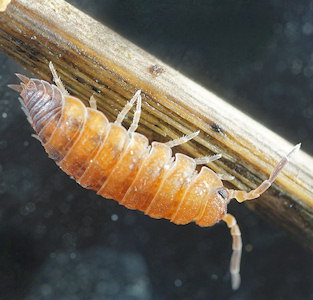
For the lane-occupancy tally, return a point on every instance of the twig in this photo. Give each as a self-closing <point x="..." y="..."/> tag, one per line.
<point x="92" y="58"/>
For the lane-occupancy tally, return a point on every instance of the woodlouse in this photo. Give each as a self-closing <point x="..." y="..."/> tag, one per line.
<point x="120" y="164"/>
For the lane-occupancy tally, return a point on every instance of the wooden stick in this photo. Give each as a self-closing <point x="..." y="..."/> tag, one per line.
<point x="92" y="59"/>
<point x="4" y="4"/>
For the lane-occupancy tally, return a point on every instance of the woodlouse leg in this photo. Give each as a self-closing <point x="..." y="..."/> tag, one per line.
<point x="134" y="125"/>
<point x="236" y="246"/>
<point x="207" y="159"/>
<point x="57" y="79"/>
<point x="93" y="102"/>
<point x="127" y="108"/>
<point x="225" y="177"/>
<point x="182" y="140"/>
<point x="242" y="196"/>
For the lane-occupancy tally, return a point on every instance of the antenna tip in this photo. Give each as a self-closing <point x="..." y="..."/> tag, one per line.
<point x="294" y="150"/>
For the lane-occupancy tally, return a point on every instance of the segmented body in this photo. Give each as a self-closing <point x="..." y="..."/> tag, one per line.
<point x="120" y="164"/>
<point x="104" y="157"/>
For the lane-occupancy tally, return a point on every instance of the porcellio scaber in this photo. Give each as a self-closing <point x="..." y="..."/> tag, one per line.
<point x="120" y="164"/>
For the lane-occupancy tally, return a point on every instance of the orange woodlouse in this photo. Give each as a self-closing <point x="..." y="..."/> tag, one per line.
<point x="120" y="164"/>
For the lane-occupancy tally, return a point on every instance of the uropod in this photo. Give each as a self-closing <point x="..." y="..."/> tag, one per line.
<point x="121" y="165"/>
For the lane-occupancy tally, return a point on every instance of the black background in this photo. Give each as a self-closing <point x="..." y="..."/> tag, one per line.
<point x="59" y="241"/>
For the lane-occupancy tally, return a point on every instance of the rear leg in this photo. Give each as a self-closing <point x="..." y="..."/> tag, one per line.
<point x="242" y="196"/>
<point x="237" y="248"/>
<point x="57" y="79"/>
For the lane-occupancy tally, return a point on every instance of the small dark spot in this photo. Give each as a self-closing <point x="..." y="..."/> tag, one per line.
<point x="33" y="58"/>
<point x="19" y="49"/>
<point x="18" y="41"/>
<point x="223" y="193"/>
<point x="34" y="52"/>
<point x="217" y="128"/>
<point x="79" y="79"/>
<point x="95" y="89"/>
<point x="156" y="70"/>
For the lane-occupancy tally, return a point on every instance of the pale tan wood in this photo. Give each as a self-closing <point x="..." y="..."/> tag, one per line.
<point x="4" y="4"/>
<point x="92" y="59"/>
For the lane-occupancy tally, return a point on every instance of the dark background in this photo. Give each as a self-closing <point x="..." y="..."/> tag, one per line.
<point x="59" y="241"/>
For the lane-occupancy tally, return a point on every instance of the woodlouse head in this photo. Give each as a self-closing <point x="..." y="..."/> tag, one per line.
<point x="216" y="207"/>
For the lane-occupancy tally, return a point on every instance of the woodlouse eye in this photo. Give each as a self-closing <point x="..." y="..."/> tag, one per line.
<point x="223" y="193"/>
